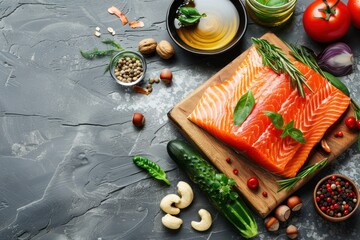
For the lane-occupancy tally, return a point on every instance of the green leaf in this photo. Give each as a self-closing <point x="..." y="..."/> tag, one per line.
<point x="243" y="108"/>
<point x="189" y="11"/>
<point x="337" y="83"/>
<point x="152" y="168"/>
<point x="297" y="135"/>
<point x="286" y="129"/>
<point x="189" y="16"/>
<point x="276" y="119"/>
<point x="188" y="20"/>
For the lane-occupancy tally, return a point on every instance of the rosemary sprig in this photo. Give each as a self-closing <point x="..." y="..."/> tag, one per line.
<point x="305" y="56"/>
<point x="274" y="58"/>
<point x="290" y="182"/>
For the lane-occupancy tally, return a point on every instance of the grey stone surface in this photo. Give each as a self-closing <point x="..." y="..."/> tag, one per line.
<point x="66" y="137"/>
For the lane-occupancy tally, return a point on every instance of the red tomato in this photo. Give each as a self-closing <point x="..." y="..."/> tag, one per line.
<point x="350" y="122"/>
<point x="252" y="183"/>
<point x="326" y="21"/>
<point x="354" y="9"/>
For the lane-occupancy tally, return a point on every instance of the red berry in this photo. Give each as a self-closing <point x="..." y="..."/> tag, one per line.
<point x="265" y="194"/>
<point x="346" y="212"/>
<point x="235" y="171"/>
<point x="252" y="183"/>
<point x="323" y="208"/>
<point x="228" y="160"/>
<point x="358" y="124"/>
<point x="318" y="199"/>
<point x="350" y="122"/>
<point x="339" y="134"/>
<point x="333" y="177"/>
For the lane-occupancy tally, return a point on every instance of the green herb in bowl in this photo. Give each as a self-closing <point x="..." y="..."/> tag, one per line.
<point x="189" y="16"/>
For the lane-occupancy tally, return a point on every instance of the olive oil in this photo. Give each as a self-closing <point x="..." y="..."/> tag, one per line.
<point x="214" y="31"/>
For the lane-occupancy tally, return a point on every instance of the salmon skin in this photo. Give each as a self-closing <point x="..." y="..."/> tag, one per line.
<point x="257" y="137"/>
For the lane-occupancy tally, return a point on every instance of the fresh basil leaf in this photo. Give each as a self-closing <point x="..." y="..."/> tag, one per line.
<point x="337" y="83"/>
<point x="276" y="119"/>
<point x="243" y="108"/>
<point x="286" y="129"/>
<point x="297" y="135"/>
<point x="188" y="20"/>
<point x="189" y="11"/>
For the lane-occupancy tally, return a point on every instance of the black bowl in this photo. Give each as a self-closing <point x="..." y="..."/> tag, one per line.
<point x="171" y="28"/>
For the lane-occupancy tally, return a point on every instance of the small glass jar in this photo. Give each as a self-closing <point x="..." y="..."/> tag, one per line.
<point x="134" y="57"/>
<point x="270" y="16"/>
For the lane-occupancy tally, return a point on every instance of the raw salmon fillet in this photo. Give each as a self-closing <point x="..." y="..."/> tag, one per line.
<point x="256" y="136"/>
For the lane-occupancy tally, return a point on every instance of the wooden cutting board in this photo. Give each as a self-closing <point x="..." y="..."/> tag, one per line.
<point x="217" y="152"/>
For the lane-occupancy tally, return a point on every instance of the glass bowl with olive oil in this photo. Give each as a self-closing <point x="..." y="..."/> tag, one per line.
<point x="220" y="27"/>
<point x="270" y="13"/>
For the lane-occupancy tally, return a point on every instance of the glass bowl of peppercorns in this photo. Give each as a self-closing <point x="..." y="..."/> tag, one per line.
<point x="336" y="197"/>
<point x="128" y="68"/>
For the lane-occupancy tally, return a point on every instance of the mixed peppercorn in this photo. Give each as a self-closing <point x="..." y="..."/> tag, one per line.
<point x="336" y="197"/>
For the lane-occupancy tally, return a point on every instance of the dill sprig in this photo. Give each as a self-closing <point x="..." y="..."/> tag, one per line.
<point x="290" y="182"/>
<point x="274" y="58"/>
<point x="96" y="53"/>
<point x="114" y="44"/>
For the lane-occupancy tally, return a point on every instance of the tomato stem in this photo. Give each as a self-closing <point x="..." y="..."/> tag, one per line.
<point x="328" y="10"/>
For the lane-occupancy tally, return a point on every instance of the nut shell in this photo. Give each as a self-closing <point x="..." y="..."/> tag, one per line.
<point x="138" y="119"/>
<point x="282" y="213"/>
<point x="272" y="224"/>
<point x="294" y="203"/>
<point x="147" y="46"/>
<point x="166" y="76"/>
<point x="165" y="49"/>
<point x="292" y="232"/>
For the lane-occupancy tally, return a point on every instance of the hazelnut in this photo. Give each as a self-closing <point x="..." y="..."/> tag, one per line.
<point x="272" y="224"/>
<point x="294" y="203"/>
<point x="166" y="75"/>
<point x="165" y="49"/>
<point x="147" y="46"/>
<point x="138" y="119"/>
<point x="282" y="213"/>
<point x="292" y="232"/>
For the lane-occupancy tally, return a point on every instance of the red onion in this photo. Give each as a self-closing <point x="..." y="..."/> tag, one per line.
<point x="336" y="59"/>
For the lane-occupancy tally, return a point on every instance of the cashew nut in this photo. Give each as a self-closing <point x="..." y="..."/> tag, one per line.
<point x="171" y="222"/>
<point x="205" y="222"/>
<point x="167" y="202"/>
<point x="186" y="194"/>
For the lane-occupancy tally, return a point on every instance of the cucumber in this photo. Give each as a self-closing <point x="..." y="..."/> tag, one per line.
<point x="217" y="186"/>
